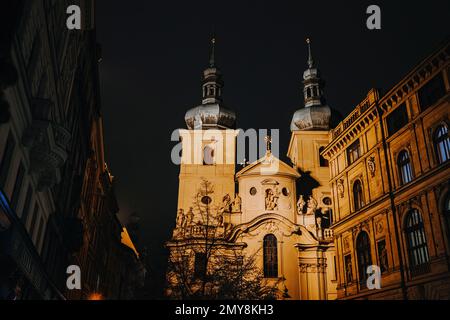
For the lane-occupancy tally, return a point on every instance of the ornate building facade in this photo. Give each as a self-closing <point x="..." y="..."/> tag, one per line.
<point x="54" y="185"/>
<point x="390" y="170"/>
<point x="369" y="190"/>
<point x="255" y="212"/>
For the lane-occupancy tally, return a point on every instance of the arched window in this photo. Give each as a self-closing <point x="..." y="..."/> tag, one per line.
<point x="358" y="198"/>
<point x="404" y="167"/>
<point x="442" y="144"/>
<point x="416" y="240"/>
<point x="270" y="256"/>
<point x="363" y="254"/>
<point x="323" y="161"/>
<point x="308" y="92"/>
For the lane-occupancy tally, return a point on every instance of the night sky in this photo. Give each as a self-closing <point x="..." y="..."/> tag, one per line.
<point x="154" y="54"/>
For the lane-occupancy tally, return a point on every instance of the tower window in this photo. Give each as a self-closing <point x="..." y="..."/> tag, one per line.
<point x="364" y="256"/>
<point x="404" y="167"/>
<point x="322" y="161"/>
<point x="358" y="198"/>
<point x="270" y="253"/>
<point x="353" y="152"/>
<point x="417" y="243"/>
<point x="442" y="144"/>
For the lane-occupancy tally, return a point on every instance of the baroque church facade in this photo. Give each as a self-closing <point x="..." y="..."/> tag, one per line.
<point x="256" y="211"/>
<point x="369" y="189"/>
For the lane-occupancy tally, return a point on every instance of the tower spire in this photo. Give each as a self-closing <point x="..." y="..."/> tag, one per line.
<point x="212" y="53"/>
<point x="310" y="59"/>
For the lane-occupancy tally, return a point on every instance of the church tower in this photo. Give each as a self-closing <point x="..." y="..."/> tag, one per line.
<point x="208" y="144"/>
<point x="310" y="129"/>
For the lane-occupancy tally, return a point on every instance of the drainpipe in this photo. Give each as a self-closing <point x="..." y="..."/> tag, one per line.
<point x="391" y="198"/>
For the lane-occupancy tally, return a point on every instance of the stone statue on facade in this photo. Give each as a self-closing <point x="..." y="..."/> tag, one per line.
<point x="311" y="205"/>
<point x="300" y="204"/>
<point x="226" y="204"/>
<point x="180" y="218"/>
<point x="237" y="203"/>
<point x="189" y="218"/>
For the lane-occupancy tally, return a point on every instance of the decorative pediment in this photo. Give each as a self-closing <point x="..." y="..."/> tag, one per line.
<point x="273" y="223"/>
<point x="269" y="165"/>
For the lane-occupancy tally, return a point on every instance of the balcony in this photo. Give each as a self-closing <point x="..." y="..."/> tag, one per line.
<point x="47" y="143"/>
<point x="17" y="247"/>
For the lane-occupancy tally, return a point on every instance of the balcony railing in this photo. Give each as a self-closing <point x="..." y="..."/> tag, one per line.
<point x="360" y="109"/>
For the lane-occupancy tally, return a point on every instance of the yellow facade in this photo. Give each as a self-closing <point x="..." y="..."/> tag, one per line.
<point x="371" y="193"/>
<point x="398" y="218"/>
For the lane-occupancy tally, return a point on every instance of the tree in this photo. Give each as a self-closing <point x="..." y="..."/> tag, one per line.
<point x="203" y="264"/>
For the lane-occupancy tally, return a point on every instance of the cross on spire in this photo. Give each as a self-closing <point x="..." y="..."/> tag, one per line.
<point x="310" y="59"/>
<point x="212" y="54"/>
<point x="268" y="141"/>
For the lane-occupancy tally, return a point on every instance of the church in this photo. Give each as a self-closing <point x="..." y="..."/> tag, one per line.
<point x="257" y="210"/>
<point x="367" y="191"/>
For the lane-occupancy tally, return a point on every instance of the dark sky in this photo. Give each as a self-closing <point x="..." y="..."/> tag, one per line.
<point x="154" y="53"/>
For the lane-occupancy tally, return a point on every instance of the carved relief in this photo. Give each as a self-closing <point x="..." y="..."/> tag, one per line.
<point x="271" y="227"/>
<point x="372" y="166"/>
<point x="379" y="227"/>
<point x="340" y="187"/>
<point x="271" y="200"/>
<point x="346" y="244"/>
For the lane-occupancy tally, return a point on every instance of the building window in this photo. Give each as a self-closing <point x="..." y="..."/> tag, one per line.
<point x="285" y="192"/>
<point x="253" y="191"/>
<point x="442" y="144"/>
<point x="417" y="243"/>
<point x="323" y="162"/>
<point x="364" y="256"/>
<point x="397" y="119"/>
<point x="17" y="186"/>
<point x="404" y="167"/>
<point x="353" y="152"/>
<point x="6" y="160"/>
<point x="358" y="197"/>
<point x="270" y="256"/>
<point x="430" y="93"/>
<point x="200" y="265"/>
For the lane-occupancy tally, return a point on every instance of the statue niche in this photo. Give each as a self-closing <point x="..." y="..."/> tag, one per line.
<point x="271" y="200"/>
